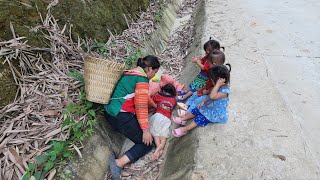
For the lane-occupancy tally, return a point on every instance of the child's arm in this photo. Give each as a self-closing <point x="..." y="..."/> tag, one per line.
<point x="151" y="102"/>
<point x="214" y="94"/>
<point x="197" y="60"/>
<point x="203" y="102"/>
<point x="201" y="66"/>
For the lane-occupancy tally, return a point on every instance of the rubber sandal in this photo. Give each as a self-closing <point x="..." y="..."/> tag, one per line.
<point x="115" y="170"/>
<point x="182" y="112"/>
<point x="177" y="120"/>
<point x="178" y="132"/>
<point x="183" y="106"/>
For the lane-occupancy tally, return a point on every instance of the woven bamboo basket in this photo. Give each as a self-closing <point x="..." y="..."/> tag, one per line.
<point x="101" y="77"/>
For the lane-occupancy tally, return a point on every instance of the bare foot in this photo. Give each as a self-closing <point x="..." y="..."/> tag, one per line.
<point x="157" y="153"/>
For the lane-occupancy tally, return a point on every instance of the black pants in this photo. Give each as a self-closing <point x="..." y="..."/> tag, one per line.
<point x="127" y="124"/>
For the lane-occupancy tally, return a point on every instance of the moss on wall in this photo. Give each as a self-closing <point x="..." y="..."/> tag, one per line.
<point x="7" y="86"/>
<point x="90" y="18"/>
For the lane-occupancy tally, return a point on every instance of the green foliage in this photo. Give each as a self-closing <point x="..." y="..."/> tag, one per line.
<point x="80" y="129"/>
<point x="76" y="75"/>
<point x="31" y="171"/>
<point x="100" y="48"/>
<point x="133" y="55"/>
<point x="158" y="17"/>
<point x="41" y="159"/>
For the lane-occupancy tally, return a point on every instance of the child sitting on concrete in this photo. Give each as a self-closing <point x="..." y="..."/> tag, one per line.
<point x="214" y="108"/>
<point x="202" y="77"/>
<point x="216" y="57"/>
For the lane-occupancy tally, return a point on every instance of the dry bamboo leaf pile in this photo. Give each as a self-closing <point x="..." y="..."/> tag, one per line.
<point x="45" y="89"/>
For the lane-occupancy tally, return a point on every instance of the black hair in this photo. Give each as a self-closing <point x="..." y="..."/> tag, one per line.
<point x="149" y="61"/>
<point x="169" y="88"/>
<point x="216" y="56"/>
<point x="212" y="44"/>
<point x="220" y="71"/>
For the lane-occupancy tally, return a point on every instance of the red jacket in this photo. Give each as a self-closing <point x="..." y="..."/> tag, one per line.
<point x="206" y="65"/>
<point x="165" y="103"/>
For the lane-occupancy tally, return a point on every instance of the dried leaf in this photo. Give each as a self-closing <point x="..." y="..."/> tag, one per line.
<point x="50" y="113"/>
<point x="78" y="151"/>
<point x="52" y="173"/>
<point x="54" y="132"/>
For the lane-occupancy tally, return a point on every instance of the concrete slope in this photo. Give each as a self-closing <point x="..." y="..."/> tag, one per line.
<point x="262" y="139"/>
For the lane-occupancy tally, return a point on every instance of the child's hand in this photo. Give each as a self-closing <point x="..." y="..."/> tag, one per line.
<point x="155" y="106"/>
<point x="195" y="59"/>
<point x="201" y="104"/>
<point x="220" y="82"/>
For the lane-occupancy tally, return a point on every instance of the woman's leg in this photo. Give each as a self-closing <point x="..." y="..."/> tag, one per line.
<point x="127" y="124"/>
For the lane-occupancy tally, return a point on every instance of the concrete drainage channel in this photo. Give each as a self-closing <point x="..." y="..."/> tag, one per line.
<point x="179" y="160"/>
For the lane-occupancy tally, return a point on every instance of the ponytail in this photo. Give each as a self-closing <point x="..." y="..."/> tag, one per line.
<point x="229" y="65"/>
<point x="140" y="63"/>
<point x="148" y="61"/>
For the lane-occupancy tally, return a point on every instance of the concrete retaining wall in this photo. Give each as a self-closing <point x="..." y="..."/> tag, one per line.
<point x="180" y="157"/>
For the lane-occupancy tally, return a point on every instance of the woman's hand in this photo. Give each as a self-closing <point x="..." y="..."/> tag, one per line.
<point x="146" y="137"/>
<point x="220" y="82"/>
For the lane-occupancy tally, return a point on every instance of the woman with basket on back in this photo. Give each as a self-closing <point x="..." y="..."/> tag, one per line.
<point x="127" y="111"/>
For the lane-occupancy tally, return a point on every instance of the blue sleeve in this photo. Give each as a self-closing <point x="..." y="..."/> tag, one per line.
<point x="224" y="89"/>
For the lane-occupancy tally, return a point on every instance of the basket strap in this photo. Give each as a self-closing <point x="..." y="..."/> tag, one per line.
<point x="128" y="96"/>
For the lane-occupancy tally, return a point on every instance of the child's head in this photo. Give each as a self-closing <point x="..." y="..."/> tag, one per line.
<point x="219" y="71"/>
<point x="169" y="88"/>
<point x="216" y="57"/>
<point x="211" y="45"/>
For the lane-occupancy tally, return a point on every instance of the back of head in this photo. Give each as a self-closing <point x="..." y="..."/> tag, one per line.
<point x="214" y="44"/>
<point x="169" y="88"/>
<point x="211" y="44"/>
<point x="149" y="61"/>
<point x="219" y="71"/>
<point x="217" y="57"/>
